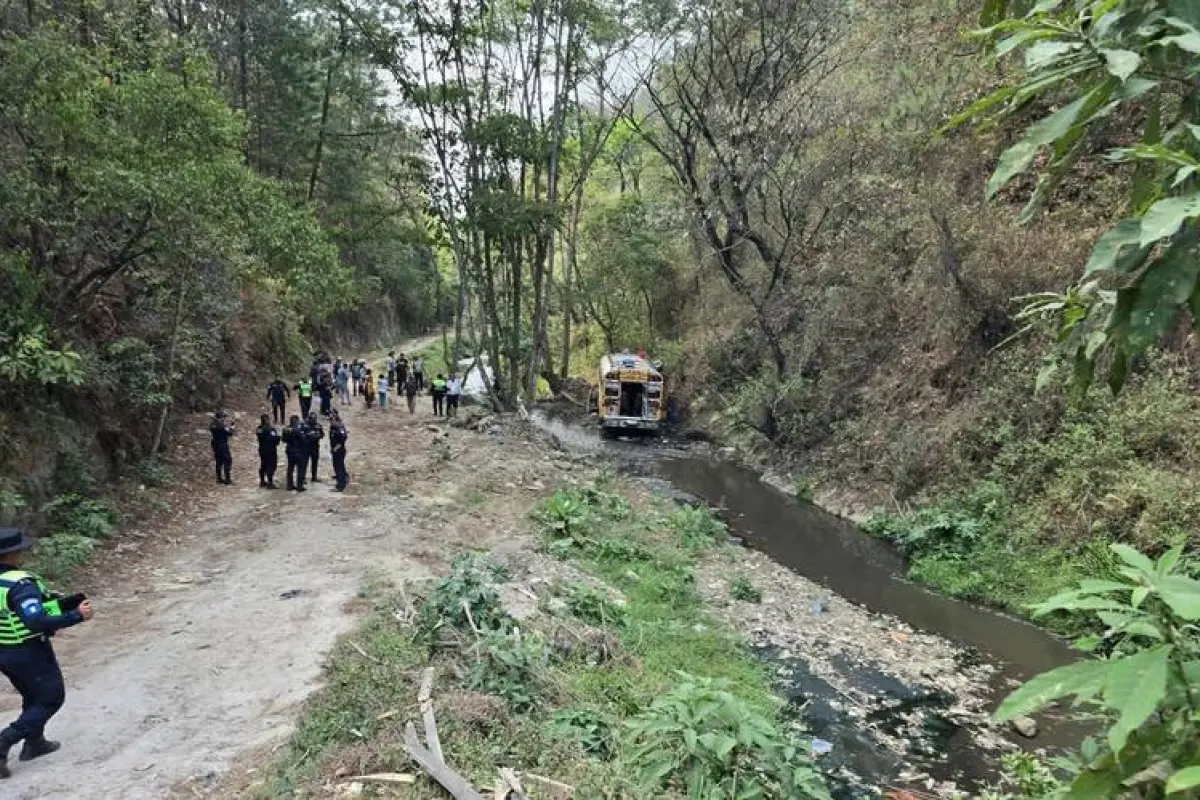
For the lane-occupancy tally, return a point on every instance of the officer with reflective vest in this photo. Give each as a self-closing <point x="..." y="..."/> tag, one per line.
<point x="30" y="613"/>
<point x="304" y="390"/>
<point x="437" y="388"/>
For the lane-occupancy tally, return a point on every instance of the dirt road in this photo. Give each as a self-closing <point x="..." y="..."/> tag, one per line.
<point x="237" y="605"/>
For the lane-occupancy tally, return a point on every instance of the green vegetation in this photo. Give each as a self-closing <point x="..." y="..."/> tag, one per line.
<point x="1038" y="496"/>
<point x="741" y="588"/>
<point x="184" y="205"/>
<point x="646" y="697"/>
<point x="1090" y="61"/>
<point x="1143" y="689"/>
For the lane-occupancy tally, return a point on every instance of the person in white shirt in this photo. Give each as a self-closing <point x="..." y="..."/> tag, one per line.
<point x="381" y="387"/>
<point x="453" y="393"/>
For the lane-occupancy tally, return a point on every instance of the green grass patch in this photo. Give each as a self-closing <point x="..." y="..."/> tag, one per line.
<point x="627" y="688"/>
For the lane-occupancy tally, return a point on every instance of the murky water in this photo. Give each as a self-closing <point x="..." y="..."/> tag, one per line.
<point x="835" y="553"/>
<point x="868" y="571"/>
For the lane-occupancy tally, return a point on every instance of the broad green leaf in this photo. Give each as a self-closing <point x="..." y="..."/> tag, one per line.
<point x="1126" y="233"/>
<point x="1184" y="779"/>
<point x="1133" y="558"/>
<point x="1169" y="560"/>
<point x="1162" y="292"/>
<point x="1021" y="38"/>
<point x="1017" y="158"/>
<point x="1182" y="594"/>
<point x="1134" y="686"/>
<point x="1083" y="679"/>
<point x="1121" y="63"/>
<point x="1143" y="628"/>
<point x="1139" y="596"/>
<point x="1166" y="216"/>
<point x="1189" y="41"/>
<point x="1092" y="785"/>
<point x="1042" y="54"/>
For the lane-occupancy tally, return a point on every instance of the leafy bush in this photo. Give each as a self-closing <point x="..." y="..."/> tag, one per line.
<point x="569" y="516"/>
<point x="704" y="741"/>
<point x="591" y="730"/>
<point x="1144" y="690"/>
<point x="622" y="548"/>
<point x="803" y="487"/>
<point x="564" y="517"/>
<point x="57" y="556"/>
<point x="506" y="665"/>
<point x="696" y="527"/>
<point x="929" y="529"/>
<point x="470" y="585"/>
<point x="80" y="516"/>
<point x="153" y="473"/>
<point x="1023" y="777"/>
<point x="740" y="588"/>
<point x="594" y="607"/>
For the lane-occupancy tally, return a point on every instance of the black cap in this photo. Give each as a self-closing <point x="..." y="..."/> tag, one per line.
<point x="14" y="540"/>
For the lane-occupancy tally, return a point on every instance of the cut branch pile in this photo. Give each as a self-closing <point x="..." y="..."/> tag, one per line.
<point x="430" y="757"/>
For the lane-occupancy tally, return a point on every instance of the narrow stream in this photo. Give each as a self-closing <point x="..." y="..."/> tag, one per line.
<point x="835" y="553"/>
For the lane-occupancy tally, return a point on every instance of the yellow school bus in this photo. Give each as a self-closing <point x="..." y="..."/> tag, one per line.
<point x="631" y="395"/>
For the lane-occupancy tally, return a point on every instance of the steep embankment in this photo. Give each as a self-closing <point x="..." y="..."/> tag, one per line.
<point x="903" y="390"/>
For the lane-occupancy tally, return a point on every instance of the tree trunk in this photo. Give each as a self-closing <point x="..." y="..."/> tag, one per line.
<point x="174" y="346"/>
<point x="570" y="253"/>
<point x="325" y="98"/>
<point x="243" y="55"/>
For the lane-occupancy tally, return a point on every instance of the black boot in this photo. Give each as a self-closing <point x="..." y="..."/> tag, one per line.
<point x="36" y="748"/>
<point x="6" y="743"/>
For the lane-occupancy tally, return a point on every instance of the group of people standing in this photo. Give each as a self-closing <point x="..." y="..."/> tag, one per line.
<point x="301" y="437"/>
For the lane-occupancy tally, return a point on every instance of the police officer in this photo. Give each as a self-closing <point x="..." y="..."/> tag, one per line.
<point x="304" y="390"/>
<point x="337" y="446"/>
<point x="437" y="388"/>
<point x="29" y="615"/>
<point x="278" y="393"/>
<point x="268" y="452"/>
<point x="221" y="429"/>
<point x="325" y="392"/>
<point x="314" y="432"/>
<point x="295" y="438"/>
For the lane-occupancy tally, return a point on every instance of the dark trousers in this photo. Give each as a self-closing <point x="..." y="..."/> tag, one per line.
<point x="297" y="466"/>
<point x="452" y="405"/>
<point x="278" y="411"/>
<point x="224" y="462"/>
<point x="439" y="404"/>
<point x="326" y="401"/>
<point x="314" y="457"/>
<point x="339" y="468"/>
<point x="268" y="461"/>
<point x="305" y="407"/>
<point x="420" y="376"/>
<point x="33" y="671"/>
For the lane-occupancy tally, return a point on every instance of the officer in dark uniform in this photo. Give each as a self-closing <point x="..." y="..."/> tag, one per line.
<point x="221" y="429"/>
<point x="325" y="392"/>
<point x="29" y="615"/>
<point x="295" y="437"/>
<point x="278" y="393"/>
<point x="268" y="452"/>
<point x="315" y="432"/>
<point x="337" y="446"/>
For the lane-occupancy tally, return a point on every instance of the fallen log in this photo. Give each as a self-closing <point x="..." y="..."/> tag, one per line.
<point x="458" y="786"/>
